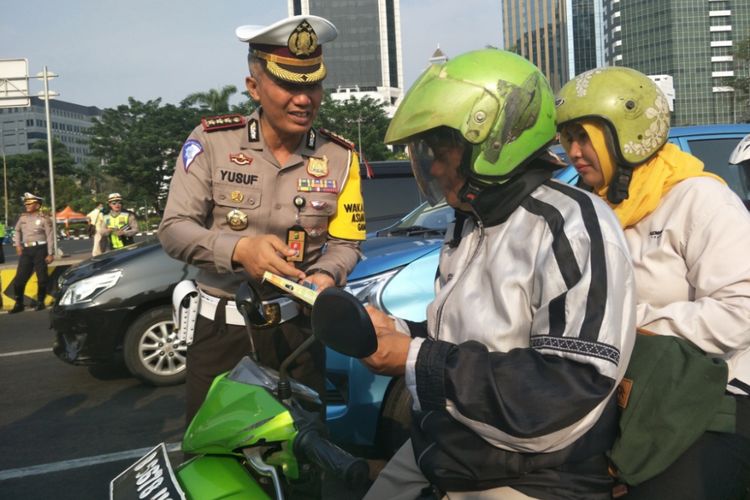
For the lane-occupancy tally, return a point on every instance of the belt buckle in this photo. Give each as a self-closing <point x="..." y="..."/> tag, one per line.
<point x="272" y="312"/>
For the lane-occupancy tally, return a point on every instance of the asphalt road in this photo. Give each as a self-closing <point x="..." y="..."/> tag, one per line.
<point x="66" y="431"/>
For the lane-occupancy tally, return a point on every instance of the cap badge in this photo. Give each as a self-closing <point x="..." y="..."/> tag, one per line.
<point x="240" y="159"/>
<point x="303" y="41"/>
<point x="317" y="167"/>
<point x="237" y="220"/>
<point x="237" y="196"/>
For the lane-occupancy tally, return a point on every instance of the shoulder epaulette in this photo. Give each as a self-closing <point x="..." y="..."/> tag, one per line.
<point x="334" y="137"/>
<point x="221" y="122"/>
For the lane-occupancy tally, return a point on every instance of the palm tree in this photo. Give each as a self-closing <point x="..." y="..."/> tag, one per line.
<point x="214" y="101"/>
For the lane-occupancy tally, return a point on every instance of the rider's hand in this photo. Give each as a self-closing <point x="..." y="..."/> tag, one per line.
<point x="258" y="254"/>
<point x="380" y="320"/>
<point x="390" y="358"/>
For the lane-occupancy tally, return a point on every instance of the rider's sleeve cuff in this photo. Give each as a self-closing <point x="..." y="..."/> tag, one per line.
<point x="410" y="376"/>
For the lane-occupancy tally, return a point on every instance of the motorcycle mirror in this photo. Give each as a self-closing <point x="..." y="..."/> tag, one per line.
<point x="250" y="305"/>
<point x="340" y="321"/>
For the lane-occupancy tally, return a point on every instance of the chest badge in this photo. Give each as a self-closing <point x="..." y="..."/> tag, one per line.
<point x="240" y="159"/>
<point x="317" y="167"/>
<point x="236" y="196"/>
<point x="237" y="220"/>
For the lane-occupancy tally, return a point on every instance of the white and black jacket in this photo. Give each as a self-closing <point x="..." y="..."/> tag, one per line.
<point x="530" y="331"/>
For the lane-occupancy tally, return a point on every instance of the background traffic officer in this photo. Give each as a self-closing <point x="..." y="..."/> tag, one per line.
<point x="119" y="226"/>
<point x="34" y="245"/>
<point x="265" y="193"/>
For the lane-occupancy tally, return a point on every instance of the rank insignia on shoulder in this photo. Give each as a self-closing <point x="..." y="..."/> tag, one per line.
<point x="341" y="141"/>
<point x="240" y="159"/>
<point x="317" y="167"/>
<point x="213" y="123"/>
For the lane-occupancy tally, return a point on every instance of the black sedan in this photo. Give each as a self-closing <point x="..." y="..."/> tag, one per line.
<point x="127" y="294"/>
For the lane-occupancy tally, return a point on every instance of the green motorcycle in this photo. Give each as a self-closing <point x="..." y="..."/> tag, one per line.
<point x="253" y="436"/>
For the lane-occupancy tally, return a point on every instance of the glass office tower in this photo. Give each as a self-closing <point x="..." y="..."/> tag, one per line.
<point x="691" y="40"/>
<point x="563" y="38"/>
<point x="366" y="56"/>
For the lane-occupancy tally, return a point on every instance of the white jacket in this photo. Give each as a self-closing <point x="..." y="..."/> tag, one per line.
<point x="532" y="325"/>
<point x="692" y="268"/>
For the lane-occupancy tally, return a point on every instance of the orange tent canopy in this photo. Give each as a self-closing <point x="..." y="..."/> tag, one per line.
<point x="67" y="214"/>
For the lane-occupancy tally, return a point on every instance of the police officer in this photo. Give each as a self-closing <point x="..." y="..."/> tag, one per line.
<point x="35" y="247"/>
<point x="265" y="193"/>
<point x="119" y="226"/>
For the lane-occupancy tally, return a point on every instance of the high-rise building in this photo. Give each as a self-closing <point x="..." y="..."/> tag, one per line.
<point x="22" y="127"/>
<point x="562" y="37"/>
<point x="693" y="41"/>
<point x="365" y="59"/>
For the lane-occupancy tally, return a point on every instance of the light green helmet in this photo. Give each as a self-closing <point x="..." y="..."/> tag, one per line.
<point x="497" y="101"/>
<point x="629" y="102"/>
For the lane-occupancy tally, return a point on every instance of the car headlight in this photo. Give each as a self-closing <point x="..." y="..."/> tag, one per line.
<point x="368" y="290"/>
<point x="89" y="288"/>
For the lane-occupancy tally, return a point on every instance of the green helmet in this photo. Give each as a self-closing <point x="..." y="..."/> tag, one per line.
<point x="629" y="102"/>
<point x="497" y="101"/>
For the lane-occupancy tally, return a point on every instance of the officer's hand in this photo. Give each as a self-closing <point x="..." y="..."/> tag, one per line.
<point x="320" y="280"/>
<point x="258" y="254"/>
<point x="48" y="259"/>
<point x="390" y="358"/>
<point x="19" y="251"/>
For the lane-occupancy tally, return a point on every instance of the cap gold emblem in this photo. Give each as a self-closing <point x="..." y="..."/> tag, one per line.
<point x="303" y="41"/>
<point x="237" y="220"/>
<point x="237" y="196"/>
<point x="317" y="167"/>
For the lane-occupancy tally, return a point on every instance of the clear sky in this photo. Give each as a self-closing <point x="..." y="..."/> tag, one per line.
<point x="106" y="51"/>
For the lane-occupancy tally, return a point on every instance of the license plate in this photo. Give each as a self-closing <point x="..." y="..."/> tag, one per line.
<point x="150" y="478"/>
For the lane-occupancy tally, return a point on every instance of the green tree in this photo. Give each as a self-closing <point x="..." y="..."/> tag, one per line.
<point x="30" y="172"/>
<point x="358" y="120"/>
<point x="138" y="144"/>
<point x="214" y="101"/>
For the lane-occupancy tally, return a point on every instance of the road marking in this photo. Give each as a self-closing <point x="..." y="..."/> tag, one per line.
<point x="21" y="353"/>
<point x="36" y="470"/>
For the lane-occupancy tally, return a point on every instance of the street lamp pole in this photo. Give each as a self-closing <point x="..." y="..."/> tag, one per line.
<point x="46" y="75"/>
<point x="5" y="176"/>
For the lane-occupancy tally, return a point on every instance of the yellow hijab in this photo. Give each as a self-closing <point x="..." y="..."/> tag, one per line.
<point x="651" y="180"/>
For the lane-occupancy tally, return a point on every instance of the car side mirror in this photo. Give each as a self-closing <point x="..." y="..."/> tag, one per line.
<point x="341" y="322"/>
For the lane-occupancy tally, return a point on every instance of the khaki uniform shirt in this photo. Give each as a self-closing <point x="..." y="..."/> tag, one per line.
<point x="34" y="228"/>
<point x="226" y="174"/>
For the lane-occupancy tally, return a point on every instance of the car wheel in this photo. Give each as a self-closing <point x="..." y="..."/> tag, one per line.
<point x="395" y="418"/>
<point x="151" y="350"/>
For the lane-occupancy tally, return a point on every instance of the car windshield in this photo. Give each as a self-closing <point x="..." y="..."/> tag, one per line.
<point x="424" y="219"/>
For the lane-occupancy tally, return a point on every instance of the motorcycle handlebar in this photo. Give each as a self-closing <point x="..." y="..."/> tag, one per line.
<point x="330" y="457"/>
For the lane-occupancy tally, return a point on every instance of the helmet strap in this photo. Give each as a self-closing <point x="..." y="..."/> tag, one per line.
<point x="618" y="187"/>
<point x="471" y="189"/>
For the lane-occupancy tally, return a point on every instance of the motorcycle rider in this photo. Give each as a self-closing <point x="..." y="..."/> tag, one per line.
<point x="532" y="325"/>
<point x="688" y="235"/>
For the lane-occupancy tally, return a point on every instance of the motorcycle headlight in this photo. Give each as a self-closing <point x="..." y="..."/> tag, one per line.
<point x="369" y="290"/>
<point x="89" y="288"/>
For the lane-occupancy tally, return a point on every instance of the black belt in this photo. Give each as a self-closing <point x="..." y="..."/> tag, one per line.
<point x="34" y="243"/>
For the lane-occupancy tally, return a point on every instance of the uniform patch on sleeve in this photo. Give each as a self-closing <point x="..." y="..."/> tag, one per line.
<point x="190" y="150"/>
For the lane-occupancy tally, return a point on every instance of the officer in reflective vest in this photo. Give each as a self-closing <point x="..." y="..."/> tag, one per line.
<point x="119" y="225"/>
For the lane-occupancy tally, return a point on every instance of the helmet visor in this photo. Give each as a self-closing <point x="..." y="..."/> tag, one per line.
<point x="433" y="146"/>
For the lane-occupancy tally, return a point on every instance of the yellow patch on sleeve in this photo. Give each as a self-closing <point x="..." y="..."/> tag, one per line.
<point x="349" y="221"/>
